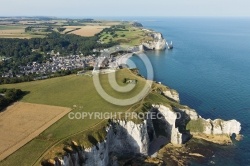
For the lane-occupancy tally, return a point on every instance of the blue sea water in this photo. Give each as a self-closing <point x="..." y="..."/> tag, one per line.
<point x="210" y="68"/>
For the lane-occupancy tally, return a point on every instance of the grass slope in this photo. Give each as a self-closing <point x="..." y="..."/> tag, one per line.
<point x="67" y="92"/>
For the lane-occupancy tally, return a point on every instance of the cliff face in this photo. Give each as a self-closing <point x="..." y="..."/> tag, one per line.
<point x="169" y="117"/>
<point x="172" y="94"/>
<point x="126" y="138"/>
<point x="158" y="43"/>
<point x="220" y="127"/>
<point x="123" y="138"/>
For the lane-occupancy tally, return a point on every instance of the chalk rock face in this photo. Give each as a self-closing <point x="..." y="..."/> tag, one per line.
<point x="128" y="137"/>
<point x="217" y="128"/>
<point x="97" y="155"/>
<point x="231" y="127"/>
<point x="172" y="95"/>
<point x="170" y="117"/>
<point x="221" y="127"/>
<point x="123" y="138"/>
<point x="159" y="42"/>
<point x="191" y="113"/>
<point x="208" y="128"/>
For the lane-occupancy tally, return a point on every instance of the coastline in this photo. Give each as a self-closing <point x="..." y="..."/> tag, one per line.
<point x="172" y="94"/>
<point x="221" y="139"/>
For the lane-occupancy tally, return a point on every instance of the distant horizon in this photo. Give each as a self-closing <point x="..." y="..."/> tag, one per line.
<point x="94" y="17"/>
<point x="128" y="8"/>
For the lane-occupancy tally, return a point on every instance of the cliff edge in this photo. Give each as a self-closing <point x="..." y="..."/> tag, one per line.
<point x="127" y="139"/>
<point x="158" y="42"/>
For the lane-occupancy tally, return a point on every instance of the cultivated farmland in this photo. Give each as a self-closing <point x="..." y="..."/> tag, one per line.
<point x="88" y="30"/>
<point x="21" y="122"/>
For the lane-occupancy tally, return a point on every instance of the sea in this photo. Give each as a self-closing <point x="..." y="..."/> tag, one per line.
<point x="210" y="68"/>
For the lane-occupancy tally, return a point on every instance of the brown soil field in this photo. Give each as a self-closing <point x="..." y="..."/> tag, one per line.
<point x="89" y="30"/>
<point x="21" y="122"/>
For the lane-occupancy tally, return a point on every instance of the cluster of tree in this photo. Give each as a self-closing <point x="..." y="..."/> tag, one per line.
<point x="88" y="20"/>
<point x="72" y="30"/>
<point x="12" y="80"/>
<point x="13" y="64"/>
<point x="66" y="44"/>
<point x="61" y="29"/>
<point x="114" y="29"/>
<point x="28" y="29"/>
<point x="8" y="96"/>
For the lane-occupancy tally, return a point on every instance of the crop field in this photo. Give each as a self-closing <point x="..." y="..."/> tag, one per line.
<point x="9" y="30"/>
<point x="12" y="31"/>
<point x="17" y="31"/>
<point x="88" y="30"/>
<point x="76" y="92"/>
<point x="21" y="122"/>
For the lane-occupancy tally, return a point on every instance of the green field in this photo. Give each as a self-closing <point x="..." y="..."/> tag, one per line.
<point x="18" y="31"/>
<point x="79" y="91"/>
<point x="130" y="36"/>
<point x="68" y="91"/>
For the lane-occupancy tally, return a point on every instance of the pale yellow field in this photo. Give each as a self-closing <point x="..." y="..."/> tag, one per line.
<point x="21" y="122"/>
<point x="87" y="30"/>
<point x="104" y="23"/>
<point x="11" y="31"/>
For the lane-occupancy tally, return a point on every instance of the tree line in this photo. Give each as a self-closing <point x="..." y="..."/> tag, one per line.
<point x="66" y="44"/>
<point x="8" y="96"/>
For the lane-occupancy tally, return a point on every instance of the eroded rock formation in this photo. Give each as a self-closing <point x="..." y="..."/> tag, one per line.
<point x="127" y="138"/>
<point x="158" y="43"/>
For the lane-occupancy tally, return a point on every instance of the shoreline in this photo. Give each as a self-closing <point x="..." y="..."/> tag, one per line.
<point x="127" y="56"/>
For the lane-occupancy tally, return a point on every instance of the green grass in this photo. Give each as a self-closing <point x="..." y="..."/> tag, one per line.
<point x="69" y="91"/>
<point x="11" y="27"/>
<point x="80" y="91"/>
<point x="26" y="155"/>
<point x="195" y="125"/>
<point x="133" y="36"/>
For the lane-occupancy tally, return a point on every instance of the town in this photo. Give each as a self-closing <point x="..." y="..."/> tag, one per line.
<point x="110" y="58"/>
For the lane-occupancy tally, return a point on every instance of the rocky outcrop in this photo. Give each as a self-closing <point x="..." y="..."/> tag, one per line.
<point x="158" y="43"/>
<point x="172" y="94"/>
<point x="217" y="131"/>
<point x="126" y="138"/>
<point x="123" y="138"/>
<point x="170" y="117"/>
<point x="220" y="127"/>
<point x="188" y="113"/>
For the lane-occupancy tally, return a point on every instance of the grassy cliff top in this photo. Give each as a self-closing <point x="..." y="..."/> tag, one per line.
<point x="78" y="93"/>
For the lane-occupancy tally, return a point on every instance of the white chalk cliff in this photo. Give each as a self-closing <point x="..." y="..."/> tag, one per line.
<point x="172" y="94"/>
<point x="220" y="127"/>
<point x="123" y="138"/>
<point x="158" y="43"/>
<point x="169" y="116"/>
<point x="126" y="138"/>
